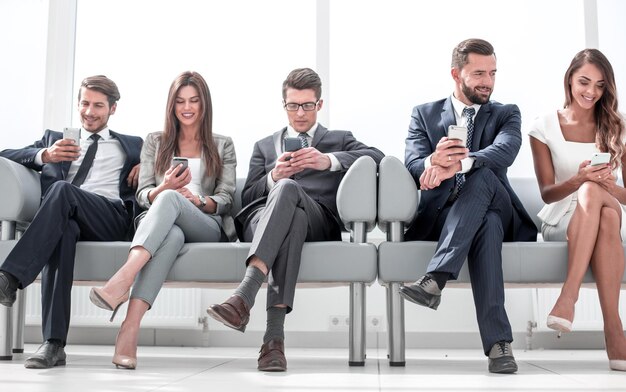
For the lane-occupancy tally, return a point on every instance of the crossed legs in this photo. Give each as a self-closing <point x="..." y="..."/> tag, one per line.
<point x="593" y="238"/>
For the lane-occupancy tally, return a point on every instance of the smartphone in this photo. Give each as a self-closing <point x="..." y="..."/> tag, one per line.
<point x="177" y="161"/>
<point x="600" y="158"/>
<point x="458" y="132"/>
<point x="291" y="144"/>
<point x="72" y="133"/>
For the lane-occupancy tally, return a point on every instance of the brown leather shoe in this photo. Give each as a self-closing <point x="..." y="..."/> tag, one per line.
<point x="233" y="313"/>
<point x="272" y="357"/>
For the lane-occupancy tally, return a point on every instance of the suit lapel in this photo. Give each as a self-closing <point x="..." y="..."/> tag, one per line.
<point x="277" y="137"/>
<point x="479" y="125"/>
<point x="447" y="118"/>
<point x="319" y="134"/>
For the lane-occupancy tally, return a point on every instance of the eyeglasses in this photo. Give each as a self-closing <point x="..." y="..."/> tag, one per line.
<point x="307" y="106"/>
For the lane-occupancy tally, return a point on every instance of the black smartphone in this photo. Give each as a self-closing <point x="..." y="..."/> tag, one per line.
<point x="291" y="144"/>
<point x="177" y="161"/>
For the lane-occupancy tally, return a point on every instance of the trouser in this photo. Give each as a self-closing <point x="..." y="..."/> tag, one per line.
<point x="278" y="232"/>
<point x="171" y="221"/>
<point x="66" y="214"/>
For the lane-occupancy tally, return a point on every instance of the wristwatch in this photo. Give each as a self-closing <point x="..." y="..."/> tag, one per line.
<point x="202" y="201"/>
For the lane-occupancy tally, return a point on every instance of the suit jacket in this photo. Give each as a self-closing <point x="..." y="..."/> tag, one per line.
<point x="321" y="186"/>
<point x="52" y="172"/>
<point x="221" y="189"/>
<point x="496" y="142"/>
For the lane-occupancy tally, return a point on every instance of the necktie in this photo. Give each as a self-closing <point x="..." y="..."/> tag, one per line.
<point x="87" y="161"/>
<point x="468" y="113"/>
<point x="304" y="142"/>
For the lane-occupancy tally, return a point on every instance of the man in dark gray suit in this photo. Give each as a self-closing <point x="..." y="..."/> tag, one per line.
<point x="290" y="198"/>
<point x="467" y="203"/>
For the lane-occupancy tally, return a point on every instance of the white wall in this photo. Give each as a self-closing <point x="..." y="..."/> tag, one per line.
<point x="384" y="57"/>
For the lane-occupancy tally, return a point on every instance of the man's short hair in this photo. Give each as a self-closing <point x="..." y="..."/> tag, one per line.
<point x="101" y="84"/>
<point x="472" y="45"/>
<point x="302" y="79"/>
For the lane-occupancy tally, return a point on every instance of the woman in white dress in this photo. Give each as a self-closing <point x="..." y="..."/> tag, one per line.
<point x="584" y="202"/>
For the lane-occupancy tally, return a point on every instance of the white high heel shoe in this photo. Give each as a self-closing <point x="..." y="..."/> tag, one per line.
<point x="559" y="324"/>
<point x="617" y="364"/>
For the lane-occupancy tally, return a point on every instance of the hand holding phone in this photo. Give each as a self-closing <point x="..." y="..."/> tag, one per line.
<point x="72" y="133"/>
<point x="600" y="158"/>
<point x="291" y="144"/>
<point x="459" y="133"/>
<point x="180" y="160"/>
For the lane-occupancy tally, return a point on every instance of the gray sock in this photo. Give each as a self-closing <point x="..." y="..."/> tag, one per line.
<point x="275" y="324"/>
<point x="250" y="285"/>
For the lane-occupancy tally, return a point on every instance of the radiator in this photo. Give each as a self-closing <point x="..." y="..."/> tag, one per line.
<point x="588" y="315"/>
<point x="173" y="308"/>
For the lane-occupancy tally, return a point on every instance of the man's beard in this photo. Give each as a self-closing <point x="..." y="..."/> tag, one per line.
<point x="474" y="97"/>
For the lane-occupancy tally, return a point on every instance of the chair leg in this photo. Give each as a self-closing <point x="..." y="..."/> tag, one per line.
<point x="19" y="317"/>
<point x="6" y="313"/>
<point x="357" y="324"/>
<point x="395" y="325"/>
<point x="6" y="333"/>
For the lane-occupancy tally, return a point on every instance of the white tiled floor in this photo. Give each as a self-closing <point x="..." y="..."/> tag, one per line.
<point x="166" y="369"/>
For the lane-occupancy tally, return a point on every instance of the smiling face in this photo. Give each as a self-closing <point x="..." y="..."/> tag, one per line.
<point x="586" y="86"/>
<point x="94" y="110"/>
<point x="475" y="81"/>
<point x="188" y="106"/>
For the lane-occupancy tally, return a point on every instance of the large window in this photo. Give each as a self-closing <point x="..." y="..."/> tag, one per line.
<point x="396" y="54"/>
<point x="243" y="48"/>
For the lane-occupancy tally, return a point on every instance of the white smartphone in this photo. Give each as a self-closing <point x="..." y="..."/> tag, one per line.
<point x="600" y="158"/>
<point x="177" y="161"/>
<point x="458" y="132"/>
<point x="72" y="133"/>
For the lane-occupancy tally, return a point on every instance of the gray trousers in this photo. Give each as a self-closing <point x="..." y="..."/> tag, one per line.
<point x="171" y="221"/>
<point x="278" y="231"/>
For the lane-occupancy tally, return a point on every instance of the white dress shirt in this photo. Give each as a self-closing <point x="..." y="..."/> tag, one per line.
<point x="104" y="176"/>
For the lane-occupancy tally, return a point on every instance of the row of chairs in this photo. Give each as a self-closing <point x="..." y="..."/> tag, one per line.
<point x="369" y="196"/>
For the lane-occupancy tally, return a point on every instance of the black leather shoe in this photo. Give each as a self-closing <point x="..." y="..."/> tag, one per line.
<point x="501" y="358"/>
<point x="424" y="292"/>
<point x="8" y="289"/>
<point x="48" y="355"/>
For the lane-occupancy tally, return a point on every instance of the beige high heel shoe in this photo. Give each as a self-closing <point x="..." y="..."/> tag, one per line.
<point x="124" y="362"/>
<point x="103" y="300"/>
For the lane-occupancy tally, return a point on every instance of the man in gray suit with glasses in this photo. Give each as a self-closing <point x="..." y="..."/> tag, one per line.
<point x="289" y="198"/>
<point x="458" y="151"/>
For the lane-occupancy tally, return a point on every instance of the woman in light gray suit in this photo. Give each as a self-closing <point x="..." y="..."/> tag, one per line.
<point x="184" y="204"/>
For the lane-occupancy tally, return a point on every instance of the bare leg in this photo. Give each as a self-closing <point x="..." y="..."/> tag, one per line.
<point x="608" y="268"/>
<point x="120" y="282"/>
<point x="582" y="234"/>
<point x="126" y="342"/>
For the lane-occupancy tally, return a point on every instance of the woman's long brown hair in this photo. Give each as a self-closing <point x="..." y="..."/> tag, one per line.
<point x="168" y="147"/>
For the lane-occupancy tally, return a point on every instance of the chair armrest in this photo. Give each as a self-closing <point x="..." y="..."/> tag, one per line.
<point x="21" y="193"/>
<point x="356" y="196"/>
<point x="398" y="196"/>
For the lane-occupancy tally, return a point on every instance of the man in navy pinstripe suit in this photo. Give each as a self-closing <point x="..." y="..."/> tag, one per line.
<point x="467" y="203"/>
